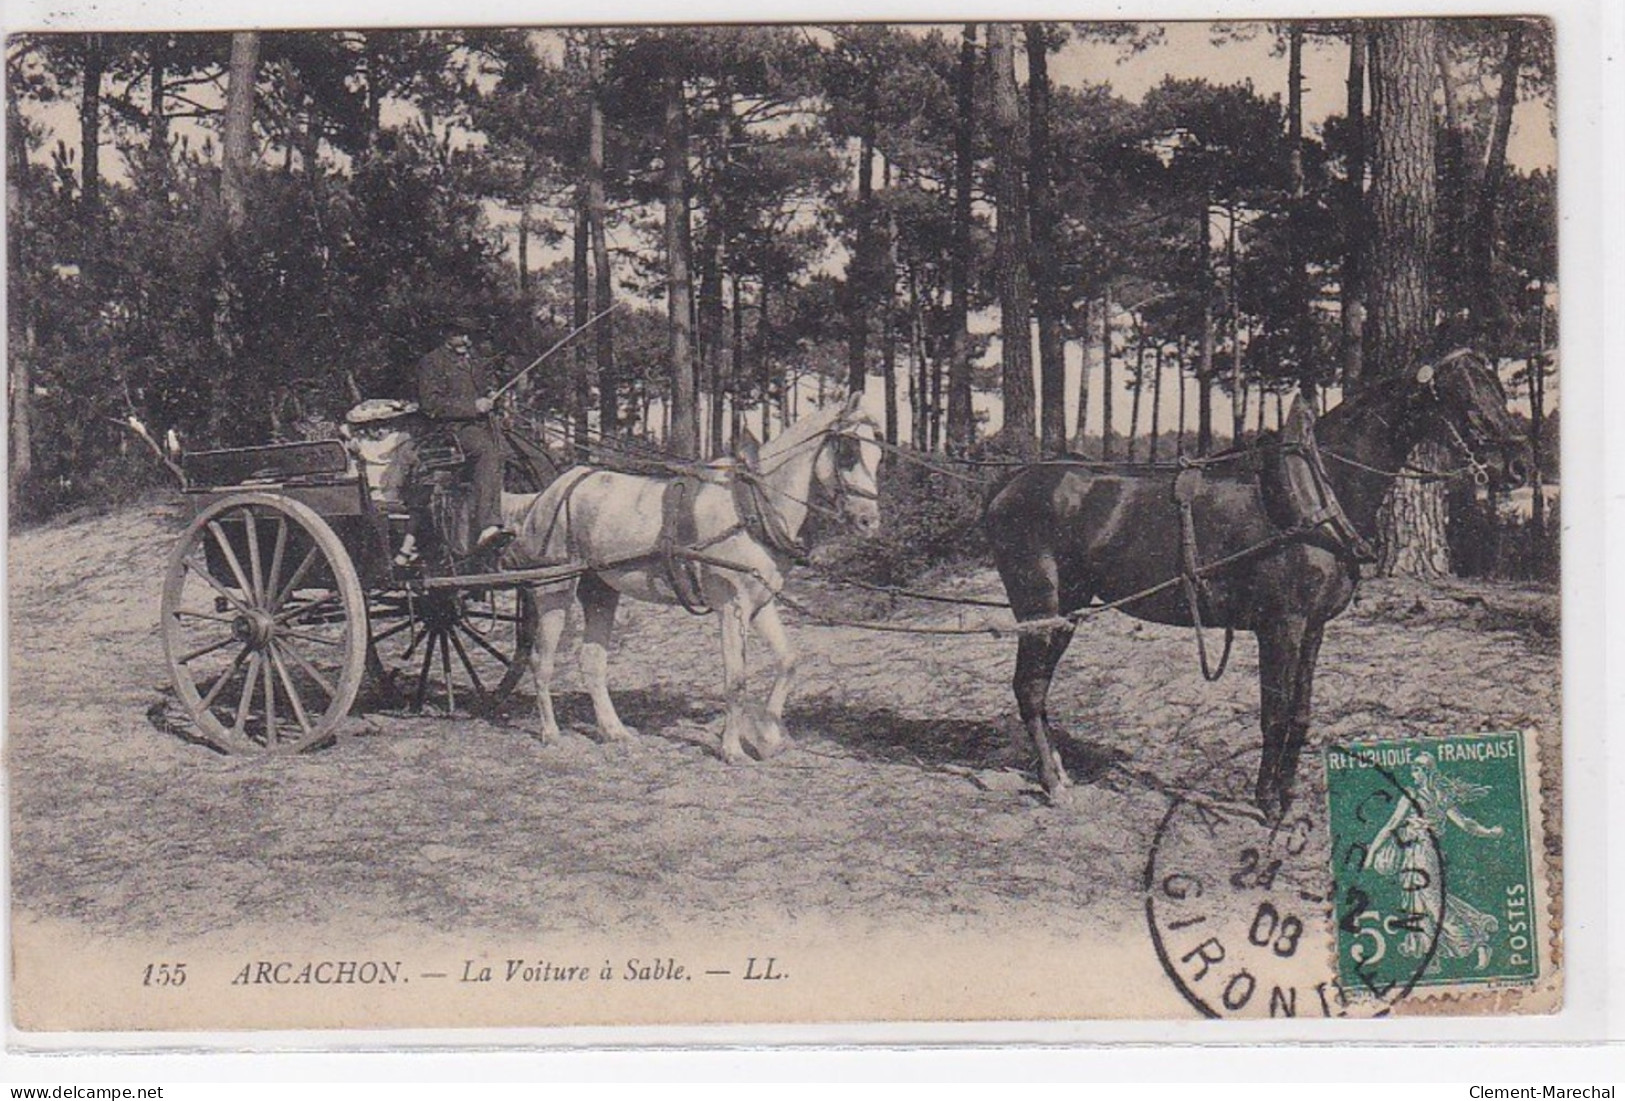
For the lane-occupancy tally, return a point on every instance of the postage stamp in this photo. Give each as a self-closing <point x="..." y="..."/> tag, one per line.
<point x="1433" y="864"/>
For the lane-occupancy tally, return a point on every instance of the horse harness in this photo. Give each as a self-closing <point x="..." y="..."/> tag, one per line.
<point x="1295" y="509"/>
<point x="679" y="548"/>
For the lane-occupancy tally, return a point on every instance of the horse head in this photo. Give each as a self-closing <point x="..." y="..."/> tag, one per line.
<point x="848" y="465"/>
<point x="1468" y="401"/>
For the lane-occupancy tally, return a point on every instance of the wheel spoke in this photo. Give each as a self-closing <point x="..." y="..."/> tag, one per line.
<point x="220" y="681"/>
<point x="288" y="615"/>
<point x="316" y="639"/>
<point x="445" y="667"/>
<point x="276" y="555"/>
<point x="270" y="703"/>
<point x="392" y="632"/>
<point x="246" y="700"/>
<point x="298" y="576"/>
<point x="231" y="558"/>
<point x="473" y="674"/>
<point x="193" y="613"/>
<point x="417" y="637"/>
<point x="423" y="674"/>
<point x="293" y="696"/>
<point x="303" y="662"/>
<point x="187" y="659"/>
<point x="480" y="641"/>
<point x="202" y="571"/>
<point x="251" y="532"/>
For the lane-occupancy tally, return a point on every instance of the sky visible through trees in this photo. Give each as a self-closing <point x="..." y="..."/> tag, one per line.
<point x="813" y="231"/>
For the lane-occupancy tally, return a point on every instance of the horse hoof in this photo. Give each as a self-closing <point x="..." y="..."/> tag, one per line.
<point x="765" y="737"/>
<point x="733" y="755"/>
<point x="1063" y="797"/>
<point x="619" y="733"/>
<point x="770" y="748"/>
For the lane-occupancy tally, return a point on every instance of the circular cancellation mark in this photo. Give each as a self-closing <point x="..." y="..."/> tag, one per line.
<point x="1277" y="920"/>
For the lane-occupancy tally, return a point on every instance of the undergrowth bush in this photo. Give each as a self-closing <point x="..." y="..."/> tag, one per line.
<point x="929" y="520"/>
<point x="118" y="479"/>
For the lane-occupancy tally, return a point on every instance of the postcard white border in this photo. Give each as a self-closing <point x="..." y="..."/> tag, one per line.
<point x="1591" y="172"/>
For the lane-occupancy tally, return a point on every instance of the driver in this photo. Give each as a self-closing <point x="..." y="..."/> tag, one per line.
<point x="451" y="391"/>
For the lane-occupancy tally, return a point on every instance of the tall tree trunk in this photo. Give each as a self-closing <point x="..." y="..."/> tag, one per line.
<point x="1051" y="346"/>
<point x="1107" y="381"/>
<point x="20" y="299"/>
<point x="1080" y="431"/>
<point x="1139" y="387"/>
<point x="1403" y="195"/>
<point x="1238" y="395"/>
<point x="888" y="339"/>
<point x="609" y="383"/>
<point x="1179" y="373"/>
<point x="581" y="303"/>
<point x="1403" y="200"/>
<point x="157" y="110"/>
<point x="524" y="248"/>
<point x="1012" y="246"/>
<point x="961" y="421"/>
<point x="1352" y="278"/>
<point x="90" y="133"/>
<point x="237" y="144"/>
<point x="1302" y="323"/>
<point x="736" y="366"/>
<point x="1536" y="373"/>
<point x="918" y="384"/>
<point x="685" y="419"/>
<point x="764" y="368"/>
<point x="1453" y="228"/>
<point x="1489" y="309"/>
<point x="372" y="107"/>
<point x="1204" y="367"/>
<point x="863" y="273"/>
<point x="939" y="433"/>
<point x="711" y="326"/>
<point x="1156" y="404"/>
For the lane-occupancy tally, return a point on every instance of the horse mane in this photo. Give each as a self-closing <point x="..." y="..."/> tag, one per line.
<point x="802" y="431"/>
<point x="1385" y="388"/>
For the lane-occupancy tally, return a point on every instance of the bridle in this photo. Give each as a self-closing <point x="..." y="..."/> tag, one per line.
<point x="838" y="431"/>
<point x="1475" y="464"/>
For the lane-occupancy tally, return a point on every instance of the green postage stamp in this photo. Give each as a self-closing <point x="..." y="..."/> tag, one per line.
<point x="1435" y="863"/>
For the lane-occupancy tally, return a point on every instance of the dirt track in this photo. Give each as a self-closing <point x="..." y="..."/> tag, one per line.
<point x="899" y="806"/>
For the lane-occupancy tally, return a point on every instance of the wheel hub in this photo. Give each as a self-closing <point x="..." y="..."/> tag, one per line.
<point x="441" y="611"/>
<point x="253" y="629"/>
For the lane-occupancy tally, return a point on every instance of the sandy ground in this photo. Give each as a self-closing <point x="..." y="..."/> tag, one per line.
<point x="900" y="806"/>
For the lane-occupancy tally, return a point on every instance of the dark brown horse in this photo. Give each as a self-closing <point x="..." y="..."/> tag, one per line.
<point x="1068" y="534"/>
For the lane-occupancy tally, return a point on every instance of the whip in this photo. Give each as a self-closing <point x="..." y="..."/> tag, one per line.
<point x="561" y="342"/>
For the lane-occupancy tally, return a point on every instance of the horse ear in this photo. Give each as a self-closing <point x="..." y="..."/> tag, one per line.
<point x="747" y="449"/>
<point x="855" y="401"/>
<point x="1300" y="422"/>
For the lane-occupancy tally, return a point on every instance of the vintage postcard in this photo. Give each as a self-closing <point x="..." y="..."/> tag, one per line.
<point x="783" y="524"/>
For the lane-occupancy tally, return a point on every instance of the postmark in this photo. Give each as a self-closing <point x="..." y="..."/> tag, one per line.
<point x="1243" y="913"/>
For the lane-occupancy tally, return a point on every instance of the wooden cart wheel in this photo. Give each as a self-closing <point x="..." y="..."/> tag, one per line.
<point x="264" y="625"/>
<point x="451" y="649"/>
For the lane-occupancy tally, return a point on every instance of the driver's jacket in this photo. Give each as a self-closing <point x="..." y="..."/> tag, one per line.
<point x="449" y="385"/>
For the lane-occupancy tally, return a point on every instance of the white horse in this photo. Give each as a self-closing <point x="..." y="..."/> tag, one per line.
<point x="619" y="526"/>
